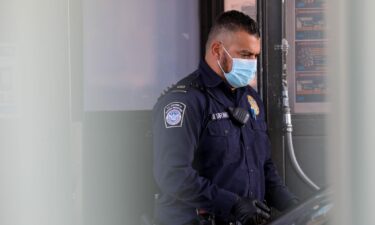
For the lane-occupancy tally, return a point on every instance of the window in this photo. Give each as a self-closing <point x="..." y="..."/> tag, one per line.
<point x="135" y="49"/>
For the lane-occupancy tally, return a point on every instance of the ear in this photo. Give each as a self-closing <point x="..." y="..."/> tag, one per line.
<point x="215" y="49"/>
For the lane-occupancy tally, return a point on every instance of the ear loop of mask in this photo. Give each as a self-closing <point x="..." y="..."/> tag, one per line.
<point x="218" y="63"/>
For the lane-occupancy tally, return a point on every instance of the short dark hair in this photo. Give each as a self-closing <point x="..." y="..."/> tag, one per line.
<point x="233" y="21"/>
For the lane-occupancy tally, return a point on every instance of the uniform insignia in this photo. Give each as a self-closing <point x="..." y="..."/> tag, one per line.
<point x="253" y="104"/>
<point x="174" y="114"/>
<point x="219" y="116"/>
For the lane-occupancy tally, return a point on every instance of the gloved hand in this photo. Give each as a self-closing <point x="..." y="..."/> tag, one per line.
<point x="250" y="211"/>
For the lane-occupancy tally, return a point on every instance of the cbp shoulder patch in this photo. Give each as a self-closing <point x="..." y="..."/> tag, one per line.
<point x="174" y="114"/>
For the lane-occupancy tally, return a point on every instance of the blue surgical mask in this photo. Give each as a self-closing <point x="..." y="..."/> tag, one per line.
<point x="243" y="71"/>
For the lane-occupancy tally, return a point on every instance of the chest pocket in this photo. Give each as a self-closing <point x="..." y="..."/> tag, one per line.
<point x="261" y="142"/>
<point x="220" y="144"/>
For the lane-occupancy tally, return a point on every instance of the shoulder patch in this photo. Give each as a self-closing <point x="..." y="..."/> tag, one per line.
<point x="174" y="114"/>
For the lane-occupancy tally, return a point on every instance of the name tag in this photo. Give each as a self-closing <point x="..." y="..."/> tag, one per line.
<point x="219" y="116"/>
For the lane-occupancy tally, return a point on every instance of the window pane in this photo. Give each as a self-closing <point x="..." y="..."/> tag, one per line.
<point x="134" y="49"/>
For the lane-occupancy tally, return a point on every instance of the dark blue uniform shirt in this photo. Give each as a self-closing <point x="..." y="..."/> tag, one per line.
<point x="205" y="160"/>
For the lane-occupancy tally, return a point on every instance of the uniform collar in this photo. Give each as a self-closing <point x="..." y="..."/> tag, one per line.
<point x="210" y="78"/>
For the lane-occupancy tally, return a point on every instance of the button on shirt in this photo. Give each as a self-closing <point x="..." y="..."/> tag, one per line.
<point x="206" y="160"/>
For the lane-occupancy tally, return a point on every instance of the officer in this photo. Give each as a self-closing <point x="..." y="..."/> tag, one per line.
<point x="211" y="150"/>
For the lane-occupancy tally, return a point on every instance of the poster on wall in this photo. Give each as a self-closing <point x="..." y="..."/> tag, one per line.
<point x="306" y="32"/>
<point x="304" y="4"/>
<point x="310" y="87"/>
<point x="310" y="56"/>
<point x="249" y="7"/>
<point x="310" y="24"/>
<point x="310" y="61"/>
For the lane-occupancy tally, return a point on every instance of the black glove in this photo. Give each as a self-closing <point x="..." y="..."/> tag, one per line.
<point x="250" y="211"/>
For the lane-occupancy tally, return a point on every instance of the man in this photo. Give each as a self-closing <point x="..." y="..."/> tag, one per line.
<point x="211" y="151"/>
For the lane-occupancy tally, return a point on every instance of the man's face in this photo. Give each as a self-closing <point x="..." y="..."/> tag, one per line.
<point x="239" y="45"/>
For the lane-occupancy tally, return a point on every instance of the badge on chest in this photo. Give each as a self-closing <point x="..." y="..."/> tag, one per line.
<point x="254" y="108"/>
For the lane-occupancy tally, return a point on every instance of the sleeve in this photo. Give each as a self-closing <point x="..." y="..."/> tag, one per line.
<point x="277" y="194"/>
<point x="177" y="125"/>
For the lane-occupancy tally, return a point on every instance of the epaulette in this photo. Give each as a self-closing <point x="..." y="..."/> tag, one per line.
<point x="184" y="85"/>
